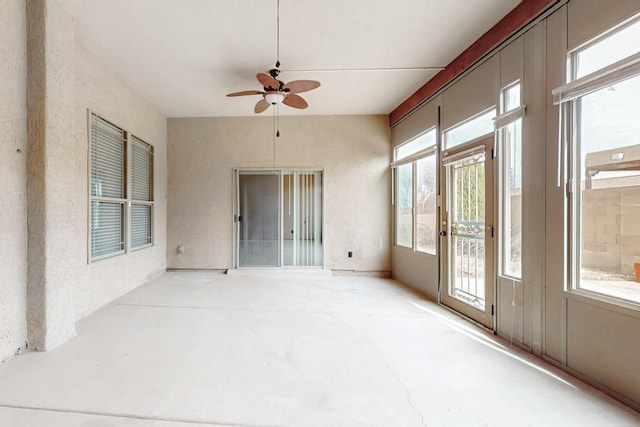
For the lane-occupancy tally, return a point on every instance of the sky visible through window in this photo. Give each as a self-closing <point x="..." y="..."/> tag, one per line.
<point x="609" y="117"/>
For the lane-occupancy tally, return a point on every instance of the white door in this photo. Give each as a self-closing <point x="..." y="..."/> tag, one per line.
<point x="468" y="263"/>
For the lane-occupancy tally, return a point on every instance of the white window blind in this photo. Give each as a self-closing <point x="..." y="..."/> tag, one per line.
<point x="607" y="76"/>
<point x="107" y="228"/>
<point x="141" y="192"/>
<point x="108" y="147"/>
<point x="141" y="170"/>
<point x="107" y="159"/>
<point x="509" y="117"/>
<point x="140" y="225"/>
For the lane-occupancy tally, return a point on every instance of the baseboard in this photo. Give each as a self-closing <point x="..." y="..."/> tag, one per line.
<point x="593" y="383"/>
<point x="382" y="274"/>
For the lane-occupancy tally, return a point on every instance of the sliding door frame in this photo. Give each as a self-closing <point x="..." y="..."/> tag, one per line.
<point x="281" y="172"/>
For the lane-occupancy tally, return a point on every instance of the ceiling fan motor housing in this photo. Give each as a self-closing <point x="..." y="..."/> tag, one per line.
<point x="274" y="72"/>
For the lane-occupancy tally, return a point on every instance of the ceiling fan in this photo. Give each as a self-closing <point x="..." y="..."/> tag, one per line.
<point x="278" y="92"/>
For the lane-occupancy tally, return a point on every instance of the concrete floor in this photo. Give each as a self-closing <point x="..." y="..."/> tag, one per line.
<point x="199" y="349"/>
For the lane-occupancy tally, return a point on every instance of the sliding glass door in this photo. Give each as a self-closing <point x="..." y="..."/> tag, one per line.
<point x="278" y="218"/>
<point x="258" y="219"/>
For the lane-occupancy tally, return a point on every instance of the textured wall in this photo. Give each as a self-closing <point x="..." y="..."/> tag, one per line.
<point x="64" y="81"/>
<point x="353" y="150"/>
<point x="98" y="89"/>
<point x="52" y="246"/>
<point x="13" y="196"/>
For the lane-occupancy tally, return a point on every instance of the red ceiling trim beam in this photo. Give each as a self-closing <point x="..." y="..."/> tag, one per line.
<point x="512" y="22"/>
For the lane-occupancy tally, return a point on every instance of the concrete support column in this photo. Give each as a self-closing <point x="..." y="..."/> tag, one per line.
<point x="51" y="229"/>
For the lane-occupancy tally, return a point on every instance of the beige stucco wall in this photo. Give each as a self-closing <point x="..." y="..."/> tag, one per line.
<point x="98" y="89"/>
<point x="64" y="81"/>
<point x="352" y="150"/>
<point x="13" y="197"/>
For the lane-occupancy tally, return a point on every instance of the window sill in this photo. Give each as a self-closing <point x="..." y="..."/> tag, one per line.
<point x="604" y="302"/>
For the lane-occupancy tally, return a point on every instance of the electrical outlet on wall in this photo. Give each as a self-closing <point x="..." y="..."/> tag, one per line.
<point x="180" y="249"/>
<point x="350" y="254"/>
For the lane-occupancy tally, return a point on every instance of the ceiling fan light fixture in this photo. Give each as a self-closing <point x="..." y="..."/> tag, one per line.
<point x="274" y="98"/>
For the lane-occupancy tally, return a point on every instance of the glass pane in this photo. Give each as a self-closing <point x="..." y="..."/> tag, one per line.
<point x="107" y="228"/>
<point x="511" y="247"/>
<point x="608" y="50"/>
<point x="467" y="228"/>
<point x="404" y="206"/>
<point x="471" y="129"/>
<point x="141" y="170"/>
<point x="426" y="193"/>
<point x="511" y="98"/>
<point x="302" y="218"/>
<point x="259" y="243"/>
<point x="107" y="159"/>
<point x="609" y="191"/>
<point x="420" y="143"/>
<point x="140" y="225"/>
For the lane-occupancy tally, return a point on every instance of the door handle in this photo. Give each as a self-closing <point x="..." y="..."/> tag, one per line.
<point x="443" y="233"/>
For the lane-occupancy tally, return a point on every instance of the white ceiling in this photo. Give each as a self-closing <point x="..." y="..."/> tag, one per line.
<point x="185" y="55"/>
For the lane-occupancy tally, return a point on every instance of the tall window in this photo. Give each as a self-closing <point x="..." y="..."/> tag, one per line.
<point x="416" y="193"/>
<point x="141" y="192"/>
<point x="118" y="204"/>
<point x="509" y="125"/>
<point x="601" y="104"/>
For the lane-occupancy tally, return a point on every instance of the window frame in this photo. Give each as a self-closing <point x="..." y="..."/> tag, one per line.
<point x="505" y="119"/>
<point x="568" y="98"/>
<point x="141" y="202"/>
<point x="127" y="201"/>
<point x="413" y="159"/>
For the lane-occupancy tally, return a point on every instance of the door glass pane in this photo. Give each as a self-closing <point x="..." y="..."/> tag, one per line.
<point x="511" y="224"/>
<point x="302" y="218"/>
<point x="467" y="230"/>
<point x="426" y="205"/>
<point x="404" y="206"/>
<point x="608" y="196"/>
<point x="259" y="244"/>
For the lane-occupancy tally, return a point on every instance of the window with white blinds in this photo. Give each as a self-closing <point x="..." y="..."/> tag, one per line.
<point x="119" y="201"/>
<point x="108" y="152"/>
<point x="141" y="192"/>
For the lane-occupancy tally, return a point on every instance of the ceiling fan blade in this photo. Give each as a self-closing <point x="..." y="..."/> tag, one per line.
<point x="295" y="101"/>
<point x="261" y="106"/>
<point x="245" y="92"/>
<point x="299" y="86"/>
<point x="267" y="81"/>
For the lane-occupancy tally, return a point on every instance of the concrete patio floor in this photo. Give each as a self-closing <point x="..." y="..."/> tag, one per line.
<point x="202" y="348"/>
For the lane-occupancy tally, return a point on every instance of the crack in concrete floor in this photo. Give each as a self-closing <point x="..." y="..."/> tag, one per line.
<point x="384" y="359"/>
